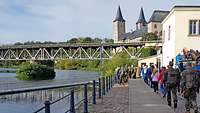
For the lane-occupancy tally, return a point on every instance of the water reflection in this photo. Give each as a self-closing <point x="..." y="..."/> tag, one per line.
<point x="32" y="101"/>
<point x="29" y="102"/>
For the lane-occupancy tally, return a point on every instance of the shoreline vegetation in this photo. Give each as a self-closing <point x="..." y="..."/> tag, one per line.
<point x="34" y="71"/>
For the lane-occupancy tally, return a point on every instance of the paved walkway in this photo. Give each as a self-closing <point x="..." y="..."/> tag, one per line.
<point x="142" y="99"/>
<point x="116" y="101"/>
<point x="136" y="97"/>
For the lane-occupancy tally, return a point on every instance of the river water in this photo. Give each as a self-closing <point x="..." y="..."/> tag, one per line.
<point x="29" y="102"/>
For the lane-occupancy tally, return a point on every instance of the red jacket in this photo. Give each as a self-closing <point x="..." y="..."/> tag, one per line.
<point x="160" y="76"/>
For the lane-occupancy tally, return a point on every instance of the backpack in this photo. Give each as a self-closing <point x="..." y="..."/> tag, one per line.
<point x="190" y="79"/>
<point x="172" y="77"/>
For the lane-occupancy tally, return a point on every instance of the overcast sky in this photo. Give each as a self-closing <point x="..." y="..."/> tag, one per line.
<point x="60" y="20"/>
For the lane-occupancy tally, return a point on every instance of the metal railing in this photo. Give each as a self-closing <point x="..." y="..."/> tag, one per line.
<point x="104" y="84"/>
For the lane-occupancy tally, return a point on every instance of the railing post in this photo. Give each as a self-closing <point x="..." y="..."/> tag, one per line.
<point x="103" y="86"/>
<point x="94" y="92"/>
<point x="106" y="84"/>
<point x="72" y="108"/>
<point x="99" y="87"/>
<point x="47" y="106"/>
<point x="109" y="82"/>
<point x="85" y="99"/>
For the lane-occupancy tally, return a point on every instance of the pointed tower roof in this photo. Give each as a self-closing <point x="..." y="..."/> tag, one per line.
<point x="141" y="17"/>
<point x="119" y="16"/>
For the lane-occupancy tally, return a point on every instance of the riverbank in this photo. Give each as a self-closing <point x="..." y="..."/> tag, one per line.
<point x="7" y="71"/>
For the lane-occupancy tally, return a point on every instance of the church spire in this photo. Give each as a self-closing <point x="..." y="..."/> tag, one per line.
<point x="119" y="16"/>
<point x="141" y="17"/>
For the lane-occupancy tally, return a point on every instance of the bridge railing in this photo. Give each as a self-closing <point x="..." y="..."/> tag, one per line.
<point x="103" y="84"/>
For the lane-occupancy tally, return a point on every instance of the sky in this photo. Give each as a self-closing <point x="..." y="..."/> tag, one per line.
<point x="60" y="20"/>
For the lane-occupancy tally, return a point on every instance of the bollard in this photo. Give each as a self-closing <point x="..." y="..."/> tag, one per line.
<point x="106" y="84"/>
<point x="99" y="87"/>
<point x="103" y="86"/>
<point x="94" y="92"/>
<point x="72" y="108"/>
<point x="85" y="99"/>
<point x="47" y="106"/>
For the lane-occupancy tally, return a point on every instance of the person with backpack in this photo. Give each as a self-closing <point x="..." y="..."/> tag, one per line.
<point x="171" y="80"/>
<point x="190" y="86"/>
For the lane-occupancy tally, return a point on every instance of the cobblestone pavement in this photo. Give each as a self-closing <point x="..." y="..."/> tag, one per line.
<point x="115" y="101"/>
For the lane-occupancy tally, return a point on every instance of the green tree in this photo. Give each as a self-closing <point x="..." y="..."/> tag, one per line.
<point x="148" y="51"/>
<point x="119" y="59"/>
<point x="149" y="37"/>
<point x="73" y="40"/>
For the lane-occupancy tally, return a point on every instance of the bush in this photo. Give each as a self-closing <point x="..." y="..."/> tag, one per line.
<point x="34" y="71"/>
<point x="148" y="51"/>
<point x="120" y="59"/>
<point x="90" y="65"/>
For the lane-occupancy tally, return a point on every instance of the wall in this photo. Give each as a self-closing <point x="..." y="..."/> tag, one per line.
<point x="178" y="19"/>
<point x="182" y="30"/>
<point x="169" y="44"/>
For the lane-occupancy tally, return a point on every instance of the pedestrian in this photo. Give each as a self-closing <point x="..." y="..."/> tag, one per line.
<point x="149" y="73"/>
<point x="170" y="78"/>
<point x="161" y="82"/>
<point x="155" y="80"/>
<point x="144" y="73"/>
<point x="129" y="72"/>
<point x="190" y="86"/>
<point x="118" y="71"/>
<point x="134" y="72"/>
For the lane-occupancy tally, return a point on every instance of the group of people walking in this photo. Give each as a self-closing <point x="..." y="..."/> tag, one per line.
<point x="183" y="80"/>
<point x="124" y="73"/>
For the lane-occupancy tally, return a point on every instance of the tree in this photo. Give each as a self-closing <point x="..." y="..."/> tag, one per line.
<point x="97" y="40"/>
<point x="87" y="40"/>
<point x="149" y="37"/>
<point x="73" y="40"/>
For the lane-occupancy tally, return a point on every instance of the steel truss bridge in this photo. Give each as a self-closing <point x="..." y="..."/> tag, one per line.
<point x="71" y="51"/>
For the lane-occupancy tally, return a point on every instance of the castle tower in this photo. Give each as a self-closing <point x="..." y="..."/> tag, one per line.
<point x="141" y="23"/>
<point x="118" y="26"/>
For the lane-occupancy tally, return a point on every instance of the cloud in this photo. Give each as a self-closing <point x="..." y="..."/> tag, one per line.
<point x="59" y="20"/>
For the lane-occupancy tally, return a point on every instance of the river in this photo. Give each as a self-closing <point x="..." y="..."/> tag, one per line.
<point x="29" y="102"/>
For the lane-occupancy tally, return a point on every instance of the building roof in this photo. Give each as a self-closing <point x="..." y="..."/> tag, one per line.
<point x="135" y="34"/>
<point x="158" y="16"/>
<point x="186" y="6"/>
<point x="141" y="17"/>
<point x="183" y="8"/>
<point x="119" y="16"/>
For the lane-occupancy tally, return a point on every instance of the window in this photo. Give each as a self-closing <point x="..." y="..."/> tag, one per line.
<point x="155" y="26"/>
<point x="169" y="32"/>
<point x="193" y="26"/>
